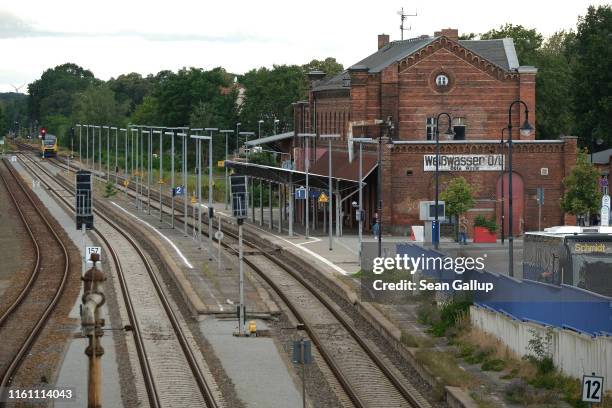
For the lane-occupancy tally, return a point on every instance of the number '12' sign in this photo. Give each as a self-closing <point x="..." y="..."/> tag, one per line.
<point x="592" y="388"/>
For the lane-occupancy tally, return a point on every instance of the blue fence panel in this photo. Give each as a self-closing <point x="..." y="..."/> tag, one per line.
<point x="562" y="306"/>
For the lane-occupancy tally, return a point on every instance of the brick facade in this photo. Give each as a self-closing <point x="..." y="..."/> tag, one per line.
<point x="478" y="92"/>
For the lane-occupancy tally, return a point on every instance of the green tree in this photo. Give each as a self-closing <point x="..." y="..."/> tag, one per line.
<point x="554" y="91"/>
<point x="146" y="112"/>
<point x="53" y="93"/>
<point x="458" y="196"/>
<point x="269" y="94"/>
<point x="131" y="89"/>
<point x="329" y="65"/>
<point x="178" y="94"/>
<point x="526" y="41"/>
<point x="582" y="194"/>
<point x="592" y="76"/>
<point x="97" y="104"/>
<point x="3" y="127"/>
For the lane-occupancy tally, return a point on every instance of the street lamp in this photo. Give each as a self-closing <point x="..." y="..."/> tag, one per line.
<point x="210" y="189"/>
<point x="449" y="133"/>
<point x="249" y="181"/>
<point x="503" y="170"/>
<point x="80" y="129"/>
<point x="390" y="128"/>
<point x="199" y="139"/>
<point x="226" y="132"/>
<point x="361" y="141"/>
<point x="238" y="124"/>
<point x="276" y="121"/>
<point x="307" y="168"/>
<point x="260" y="122"/>
<point x="329" y="181"/>
<point x="525" y="130"/>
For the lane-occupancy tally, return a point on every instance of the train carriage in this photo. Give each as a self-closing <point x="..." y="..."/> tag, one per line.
<point x="48" y="146"/>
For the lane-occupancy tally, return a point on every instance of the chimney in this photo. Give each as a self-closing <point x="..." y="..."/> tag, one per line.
<point x="383" y="39"/>
<point x="316" y="75"/>
<point x="450" y="33"/>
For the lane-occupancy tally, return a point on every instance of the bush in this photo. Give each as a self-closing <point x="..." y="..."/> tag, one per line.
<point x="488" y="223"/>
<point x="450" y="314"/>
<point x="493" y="365"/>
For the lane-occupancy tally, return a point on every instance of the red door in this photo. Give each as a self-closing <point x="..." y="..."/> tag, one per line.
<point x="518" y="202"/>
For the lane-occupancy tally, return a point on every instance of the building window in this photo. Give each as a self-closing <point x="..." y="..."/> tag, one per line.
<point x="431" y="128"/>
<point x="459" y="128"/>
<point x="441" y="80"/>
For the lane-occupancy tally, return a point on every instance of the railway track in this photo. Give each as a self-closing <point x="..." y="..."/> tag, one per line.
<point x="167" y="354"/>
<point x="368" y="379"/>
<point x="22" y="322"/>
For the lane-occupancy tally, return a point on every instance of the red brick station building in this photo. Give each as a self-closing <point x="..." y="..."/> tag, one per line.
<point x="397" y="92"/>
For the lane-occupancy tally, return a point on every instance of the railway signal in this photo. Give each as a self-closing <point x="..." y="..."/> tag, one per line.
<point x="240" y="210"/>
<point x="84" y="213"/>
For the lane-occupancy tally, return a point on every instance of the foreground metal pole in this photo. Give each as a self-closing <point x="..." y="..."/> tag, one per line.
<point x="241" y="290"/>
<point x="199" y="161"/>
<point x="116" y="155"/>
<point x="210" y="192"/>
<point x="291" y="197"/>
<point x="172" y="172"/>
<point x="87" y="145"/>
<point x="161" y="174"/>
<point x="149" y="170"/>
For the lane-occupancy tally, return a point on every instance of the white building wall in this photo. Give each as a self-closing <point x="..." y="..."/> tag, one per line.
<point x="573" y="353"/>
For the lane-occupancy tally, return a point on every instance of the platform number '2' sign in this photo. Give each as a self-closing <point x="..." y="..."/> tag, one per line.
<point x="592" y="388"/>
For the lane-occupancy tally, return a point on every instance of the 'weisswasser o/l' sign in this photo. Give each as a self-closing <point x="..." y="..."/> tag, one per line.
<point x="464" y="162"/>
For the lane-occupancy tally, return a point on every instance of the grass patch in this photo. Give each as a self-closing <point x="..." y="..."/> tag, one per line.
<point x="495" y="364"/>
<point x="411" y="340"/>
<point x="443" y="364"/>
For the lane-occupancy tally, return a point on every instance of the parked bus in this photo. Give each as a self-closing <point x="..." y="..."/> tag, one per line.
<point x="577" y="256"/>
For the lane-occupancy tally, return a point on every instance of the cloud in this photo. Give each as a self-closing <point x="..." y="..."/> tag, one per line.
<point x="12" y="26"/>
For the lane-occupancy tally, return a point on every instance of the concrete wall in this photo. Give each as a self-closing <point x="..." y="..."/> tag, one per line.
<point x="573" y="353"/>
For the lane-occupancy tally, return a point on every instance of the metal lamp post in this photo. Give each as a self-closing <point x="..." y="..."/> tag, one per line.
<point x="525" y="130"/>
<point x="503" y="170"/>
<point x="390" y="128"/>
<point x="199" y="139"/>
<point x="116" y="153"/>
<point x="161" y="171"/>
<point x="449" y="132"/>
<point x="185" y="138"/>
<point x="87" y="144"/>
<point x="226" y="132"/>
<point x="307" y="168"/>
<point x="108" y="129"/>
<point x="210" y="189"/>
<point x="80" y="131"/>
<point x="329" y="181"/>
<point x="249" y="181"/>
<point x="276" y="121"/>
<point x="361" y="141"/>
<point x="259" y="122"/>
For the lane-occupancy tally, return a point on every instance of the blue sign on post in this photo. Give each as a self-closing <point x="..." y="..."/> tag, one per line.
<point x="178" y="191"/>
<point x="300" y="193"/>
<point x="435" y="232"/>
<point x="314" y="194"/>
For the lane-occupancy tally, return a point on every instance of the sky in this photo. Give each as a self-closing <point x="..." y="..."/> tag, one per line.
<point x="118" y="37"/>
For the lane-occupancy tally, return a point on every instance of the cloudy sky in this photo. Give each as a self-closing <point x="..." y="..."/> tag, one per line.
<point x="115" y="37"/>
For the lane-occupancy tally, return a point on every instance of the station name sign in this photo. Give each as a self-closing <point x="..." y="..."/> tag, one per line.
<point x="464" y="162"/>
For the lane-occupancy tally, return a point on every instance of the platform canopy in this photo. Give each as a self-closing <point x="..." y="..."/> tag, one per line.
<point x="270" y="139"/>
<point x="344" y="172"/>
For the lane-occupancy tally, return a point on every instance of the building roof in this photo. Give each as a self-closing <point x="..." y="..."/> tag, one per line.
<point x="602" y="157"/>
<point x="500" y="52"/>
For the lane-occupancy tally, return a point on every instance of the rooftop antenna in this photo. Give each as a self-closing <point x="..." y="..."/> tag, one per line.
<point x="403" y="18"/>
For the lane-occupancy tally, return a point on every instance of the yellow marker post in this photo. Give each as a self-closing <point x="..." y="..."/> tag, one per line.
<point x="221" y="163"/>
<point x="194" y="200"/>
<point x="126" y="183"/>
